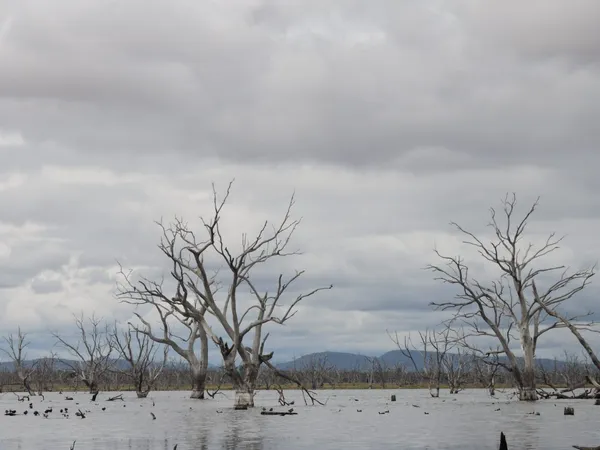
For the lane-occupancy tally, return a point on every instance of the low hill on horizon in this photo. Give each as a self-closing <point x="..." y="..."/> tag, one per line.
<point x="331" y="359"/>
<point x="353" y="361"/>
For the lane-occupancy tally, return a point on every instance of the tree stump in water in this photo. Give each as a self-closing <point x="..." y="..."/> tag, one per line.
<point x="142" y="394"/>
<point x="244" y="400"/>
<point x="569" y="411"/>
<point x="393" y="398"/>
<point x="597" y="402"/>
<point x="503" y="444"/>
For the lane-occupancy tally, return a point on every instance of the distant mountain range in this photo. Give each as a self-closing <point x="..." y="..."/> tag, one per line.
<point x="337" y="360"/>
<point x="352" y="361"/>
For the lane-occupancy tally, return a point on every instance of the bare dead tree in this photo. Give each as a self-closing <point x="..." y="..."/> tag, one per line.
<point x="182" y="309"/>
<point x="315" y="370"/>
<point x="168" y="308"/>
<point x="571" y="372"/>
<point x="433" y="350"/>
<point x="187" y="348"/>
<point x="486" y="366"/>
<point x="16" y="347"/>
<point x="576" y="328"/>
<point x="44" y="370"/>
<point x="281" y="399"/>
<point x="455" y="361"/>
<point x="286" y="375"/>
<point x="400" y="374"/>
<point x="505" y="308"/>
<point x="92" y="351"/>
<point x="139" y="351"/>
<point x="245" y="306"/>
<point x="266" y="378"/>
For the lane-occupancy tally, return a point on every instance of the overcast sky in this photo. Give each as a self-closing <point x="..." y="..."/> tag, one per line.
<point x="387" y="118"/>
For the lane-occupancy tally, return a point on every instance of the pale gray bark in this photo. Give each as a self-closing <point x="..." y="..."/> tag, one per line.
<point x="139" y="351"/>
<point x="433" y="348"/>
<point x="15" y="349"/>
<point x="92" y="351"/>
<point x="198" y="364"/>
<point x="505" y="308"/>
<point x="182" y="309"/>
<point x="225" y="295"/>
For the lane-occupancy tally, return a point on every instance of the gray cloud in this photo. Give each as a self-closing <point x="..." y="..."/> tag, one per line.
<point x="389" y="119"/>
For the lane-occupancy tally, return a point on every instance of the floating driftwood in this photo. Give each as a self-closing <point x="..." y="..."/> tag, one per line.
<point x="569" y="411"/>
<point x="116" y="397"/>
<point x="278" y="413"/>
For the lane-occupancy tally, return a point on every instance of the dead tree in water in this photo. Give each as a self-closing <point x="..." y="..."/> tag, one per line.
<point x="16" y="347"/>
<point x="456" y="363"/>
<point x="315" y="371"/>
<point x="576" y="328"/>
<point x="44" y="371"/>
<point x="139" y="351"/>
<point x="290" y="377"/>
<point x="432" y="354"/>
<point x="507" y="307"/>
<point x="92" y="352"/>
<point x="486" y="366"/>
<point x="245" y="306"/>
<point x="181" y="309"/>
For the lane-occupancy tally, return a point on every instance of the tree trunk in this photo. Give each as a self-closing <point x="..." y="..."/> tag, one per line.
<point x="527" y="394"/>
<point x="527" y="391"/>
<point x="244" y="398"/>
<point x="142" y="394"/>
<point x="244" y="392"/>
<point x="93" y="386"/>
<point x="198" y="383"/>
<point x="492" y="386"/>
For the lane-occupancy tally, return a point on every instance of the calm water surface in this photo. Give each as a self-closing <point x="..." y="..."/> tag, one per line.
<point x="468" y="420"/>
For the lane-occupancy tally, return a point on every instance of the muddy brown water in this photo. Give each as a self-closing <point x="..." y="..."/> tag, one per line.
<point x="469" y="420"/>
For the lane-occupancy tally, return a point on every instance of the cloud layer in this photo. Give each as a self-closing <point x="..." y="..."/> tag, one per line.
<point x="387" y="118"/>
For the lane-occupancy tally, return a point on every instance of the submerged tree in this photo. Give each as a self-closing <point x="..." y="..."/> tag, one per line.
<point x="171" y="315"/>
<point x="15" y="349"/>
<point x="432" y="352"/>
<point x="506" y="308"/>
<point x="139" y="352"/>
<point x="92" y="352"/>
<point x="44" y="370"/>
<point x="576" y="327"/>
<point x="241" y="302"/>
<point x="243" y="322"/>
